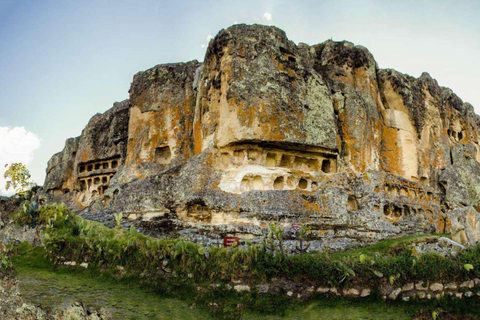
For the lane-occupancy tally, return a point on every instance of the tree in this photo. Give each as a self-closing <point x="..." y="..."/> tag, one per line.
<point x="18" y="177"/>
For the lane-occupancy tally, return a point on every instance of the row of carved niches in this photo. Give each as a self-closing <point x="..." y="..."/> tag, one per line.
<point x="99" y="166"/>
<point x="455" y="135"/>
<point x="407" y="191"/>
<point x="267" y="156"/>
<point x="288" y="182"/>
<point x="455" y="130"/>
<point x="396" y="211"/>
<point x="92" y="187"/>
<point x="94" y="178"/>
<point x="406" y="199"/>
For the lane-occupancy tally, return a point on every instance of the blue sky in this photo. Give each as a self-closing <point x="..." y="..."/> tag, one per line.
<point x="63" y="61"/>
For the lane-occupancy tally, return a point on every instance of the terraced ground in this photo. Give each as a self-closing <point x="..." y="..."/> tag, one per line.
<point x="49" y="287"/>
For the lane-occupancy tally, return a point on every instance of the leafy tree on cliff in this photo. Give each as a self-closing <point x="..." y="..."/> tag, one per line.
<point x="18" y="177"/>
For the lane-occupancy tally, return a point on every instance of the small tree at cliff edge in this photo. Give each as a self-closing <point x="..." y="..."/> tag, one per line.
<point x="18" y="177"/>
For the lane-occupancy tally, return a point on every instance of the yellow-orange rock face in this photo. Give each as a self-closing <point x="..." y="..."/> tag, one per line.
<point x="161" y="119"/>
<point x="266" y="130"/>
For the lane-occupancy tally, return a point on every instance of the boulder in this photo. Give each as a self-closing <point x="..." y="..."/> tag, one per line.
<point x="465" y="225"/>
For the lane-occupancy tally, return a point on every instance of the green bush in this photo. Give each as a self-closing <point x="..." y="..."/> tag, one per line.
<point x="6" y="264"/>
<point x="28" y="214"/>
<point x="67" y="235"/>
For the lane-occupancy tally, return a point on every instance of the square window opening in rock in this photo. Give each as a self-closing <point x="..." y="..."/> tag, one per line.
<point x="271" y="160"/>
<point x="163" y="155"/>
<point x="286" y="161"/>
<point x="326" y="166"/>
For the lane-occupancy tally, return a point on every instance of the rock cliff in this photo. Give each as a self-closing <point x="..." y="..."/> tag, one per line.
<point x="266" y="130"/>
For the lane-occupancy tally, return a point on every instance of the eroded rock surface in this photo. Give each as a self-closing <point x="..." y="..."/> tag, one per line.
<point x="83" y="170"/>
<point x="266" y="130"/>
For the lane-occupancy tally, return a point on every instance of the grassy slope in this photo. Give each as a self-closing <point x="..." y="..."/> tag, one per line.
<point x="388" y="245"/>
<point x="42" y="284"/>
<point x="127" y="299"/>
<point x="343" y="310"/>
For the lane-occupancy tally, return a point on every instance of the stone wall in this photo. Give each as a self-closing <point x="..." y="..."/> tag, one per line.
<point x="412" y="290"/>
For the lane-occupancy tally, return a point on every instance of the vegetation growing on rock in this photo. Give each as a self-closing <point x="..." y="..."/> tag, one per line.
<point x="70" y="238"/>
<point x="211" y="278"/>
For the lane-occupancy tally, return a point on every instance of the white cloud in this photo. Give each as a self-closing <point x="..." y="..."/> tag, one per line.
<point x="267" y="16"/>
<point x="16" y="145"/>
<point x="209" y="37"/>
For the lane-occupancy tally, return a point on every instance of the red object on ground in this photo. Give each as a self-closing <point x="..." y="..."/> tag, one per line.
<point x="296" y="226"/>
<point x="229" y="241"/>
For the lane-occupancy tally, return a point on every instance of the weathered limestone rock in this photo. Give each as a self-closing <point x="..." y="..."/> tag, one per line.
<point x="467" y="284"/>
<point x="160" y="126"/>
<point x="82" y="171"/>
<point x="465" y="225"/>
<point x="352" y="292"/>
<point x="351" y="73"/>
<point x="7" y="206"/>
<point x="451" y="286"/>
<point x="421" y="286"/>
<point x="255" y="87"/>
<point x="436" y="287"/>
<point x="322" y="290"/>
<point x="461" y="179"/>
<point x="241" y="287"/>
<point x="446" y="242"/>
<point x="408" y="287"/>
<point x="365" y="292"/>
<point x="394" y="294"/>
<point x="440" y="245"/>
<point x="266" y="130"/>
<point x="60" y="175"/>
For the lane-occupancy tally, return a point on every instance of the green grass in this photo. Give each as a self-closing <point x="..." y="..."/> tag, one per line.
<point x="77" y="239"/>
<point x="44" y="284"/>
<point x="344" y="310"/>
<point x="387" y="246"/>
<point x="41" y="284"/>
<point x="152" y="261"/>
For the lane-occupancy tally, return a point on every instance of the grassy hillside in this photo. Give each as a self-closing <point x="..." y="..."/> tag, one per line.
<point x="139" y="277"/>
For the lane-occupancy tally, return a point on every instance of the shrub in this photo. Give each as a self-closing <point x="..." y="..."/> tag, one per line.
<point x="6" y="264"/>
<point x="74" y="238"/>
<point x="28" y="214"/>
